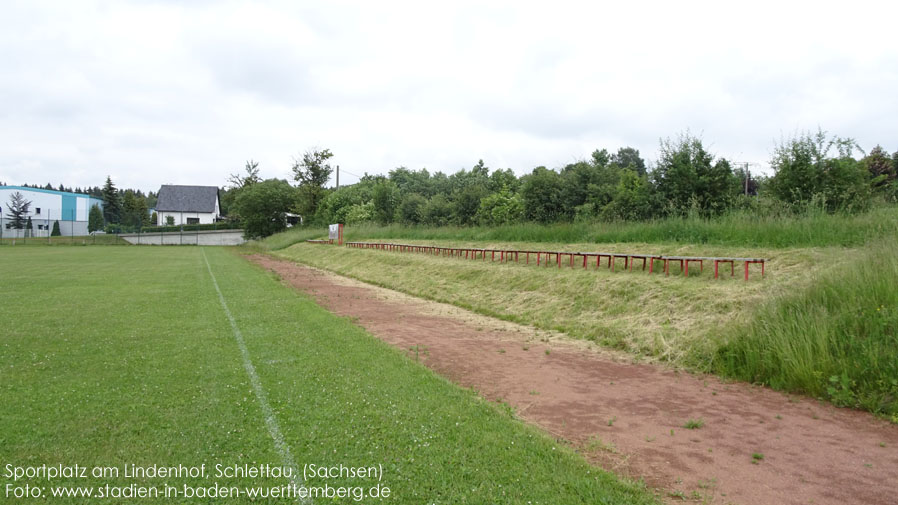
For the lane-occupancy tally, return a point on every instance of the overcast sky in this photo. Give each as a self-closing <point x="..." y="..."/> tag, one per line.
<point x="184" y="92"/>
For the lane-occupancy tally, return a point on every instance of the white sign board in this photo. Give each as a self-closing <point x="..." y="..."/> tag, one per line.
<point x="333" y="231"/>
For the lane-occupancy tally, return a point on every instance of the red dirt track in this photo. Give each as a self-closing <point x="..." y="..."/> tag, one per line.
<point x="812" y="452"/>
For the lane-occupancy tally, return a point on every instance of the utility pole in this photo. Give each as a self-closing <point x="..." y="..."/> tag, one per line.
<point x="338" y="176"/>
<point x="747" y="174"/>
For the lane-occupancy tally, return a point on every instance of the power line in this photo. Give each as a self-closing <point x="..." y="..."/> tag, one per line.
<point x="350" y="173"/>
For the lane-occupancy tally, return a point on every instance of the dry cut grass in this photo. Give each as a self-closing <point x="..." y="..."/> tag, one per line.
<point x="668" y="318"/>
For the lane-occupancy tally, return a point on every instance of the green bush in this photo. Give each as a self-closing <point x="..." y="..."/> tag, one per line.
<point x="437" y="211"/>
<point x="411" y="208"/>
<point x="94" y="219"/>
<point x="358" y="214"/>
<point x="501" y="208"/>
<point x="222" y="225"/>
<point x="770" y="227"/>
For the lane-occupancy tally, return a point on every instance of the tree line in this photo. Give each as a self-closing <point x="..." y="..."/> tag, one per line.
<point x="128" y="208"/>
<point x="811" y="170"/>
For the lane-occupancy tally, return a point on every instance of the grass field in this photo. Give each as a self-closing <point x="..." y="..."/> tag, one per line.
<point x="116" y="356"/>
<point x="102" y="239"/>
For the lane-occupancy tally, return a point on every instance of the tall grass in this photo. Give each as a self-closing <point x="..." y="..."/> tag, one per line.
<point x="836" y="339"/>
<point x="813" y="229"/>
<point x="287" y="238"/>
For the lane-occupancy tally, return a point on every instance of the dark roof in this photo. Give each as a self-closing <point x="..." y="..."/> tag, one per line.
<point x="187" y="199"/>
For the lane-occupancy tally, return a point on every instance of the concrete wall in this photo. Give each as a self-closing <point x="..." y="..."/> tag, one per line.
<point x="210" y="237"/>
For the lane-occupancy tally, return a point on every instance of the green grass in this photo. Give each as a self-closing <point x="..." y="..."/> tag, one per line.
<point x="694" y="424"/>
<point x="112" y="356"/>
<point x="813" y="229"/>
<point x="837" y="338"/>
<point x="289" y="237"/>
<point x="664" y="317"/>
<point x="103" y="239"/>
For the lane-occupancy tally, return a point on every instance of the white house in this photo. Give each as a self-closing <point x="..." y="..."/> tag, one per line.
<point x="47" y="207"/>
<point x="187" y="205"/>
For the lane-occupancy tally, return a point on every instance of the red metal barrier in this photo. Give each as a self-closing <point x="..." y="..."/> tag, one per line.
<point x="505" y="256"/>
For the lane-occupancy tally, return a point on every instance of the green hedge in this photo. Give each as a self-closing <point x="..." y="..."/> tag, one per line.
<point x="120" y="228"/>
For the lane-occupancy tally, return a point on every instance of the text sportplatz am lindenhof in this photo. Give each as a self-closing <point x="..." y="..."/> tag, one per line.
<point x="202" y="471"/>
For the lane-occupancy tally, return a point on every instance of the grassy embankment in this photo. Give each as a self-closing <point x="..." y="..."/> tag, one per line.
<point x="125" y="355"/>
<point x="811" y="326"/>
<point x="837" y="338"/>
<point x="737" y="229"/>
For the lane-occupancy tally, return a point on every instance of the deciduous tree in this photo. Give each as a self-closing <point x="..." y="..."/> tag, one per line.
<point x="879" y="165"/>
<point x="312" y="172"/>
<point x="501" y="208"/>
<point x="250" y="177"/>
<point x="805" y="172"/>
<point x="410" y="210"/>
<point x="628" y="157"/>
<point x="385" y="197"/>
<point x="263" y="207"/>
<point x="541" y="193"/>
<point x="687" y="175"/>
<point x="438" y="211"/>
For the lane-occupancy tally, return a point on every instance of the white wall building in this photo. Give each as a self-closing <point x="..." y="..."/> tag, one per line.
<point x="187" y="205"/>
<point x="47" y="207"/>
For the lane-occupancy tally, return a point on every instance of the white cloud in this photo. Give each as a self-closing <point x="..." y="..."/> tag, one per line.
<point x="158" y="92"/>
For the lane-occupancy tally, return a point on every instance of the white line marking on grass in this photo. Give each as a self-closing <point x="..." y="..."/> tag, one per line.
<point x="273" y="429"/>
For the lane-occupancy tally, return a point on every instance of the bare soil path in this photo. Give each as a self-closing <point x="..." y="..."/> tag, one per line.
<point x="756" y="446"/>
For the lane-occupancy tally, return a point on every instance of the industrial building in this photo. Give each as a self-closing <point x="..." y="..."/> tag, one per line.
<point x="46" y="207"/>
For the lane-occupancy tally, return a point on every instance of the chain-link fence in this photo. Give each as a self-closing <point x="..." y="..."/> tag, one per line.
<point x="73" y="226"/>
<point x="43" y="225"/>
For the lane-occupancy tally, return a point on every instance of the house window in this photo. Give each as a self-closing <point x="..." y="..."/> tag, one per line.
<point x="37" y="210"/>
<point x="193" y="220"/>
<point x="40" y="227"/>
